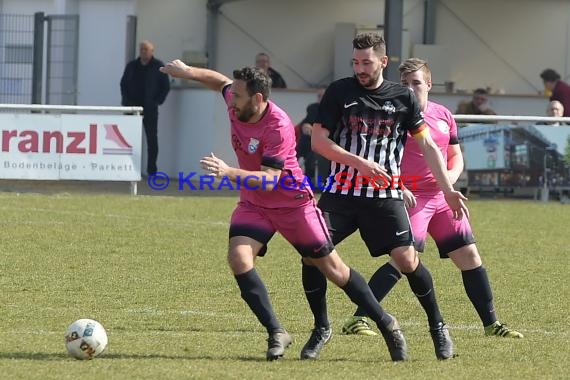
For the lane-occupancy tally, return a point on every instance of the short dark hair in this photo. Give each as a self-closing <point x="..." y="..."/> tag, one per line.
<point x="480" y="91"/>
<point x="549" y="75"/>
<point x="256" y="81"/>
<point x="370" y="40"/>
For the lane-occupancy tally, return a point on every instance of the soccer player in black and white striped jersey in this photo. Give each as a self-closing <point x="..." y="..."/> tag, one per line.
<point x="367" y="119"/>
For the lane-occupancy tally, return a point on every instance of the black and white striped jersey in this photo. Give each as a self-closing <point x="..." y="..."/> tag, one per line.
<point x="372" y="124"/>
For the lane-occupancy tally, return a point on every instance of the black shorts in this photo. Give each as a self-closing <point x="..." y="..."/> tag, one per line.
<point x="383" y="222"/>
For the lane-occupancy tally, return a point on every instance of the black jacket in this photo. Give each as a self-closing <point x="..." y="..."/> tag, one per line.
<point x="277" y="80"/>
<point x="144" y="85"/>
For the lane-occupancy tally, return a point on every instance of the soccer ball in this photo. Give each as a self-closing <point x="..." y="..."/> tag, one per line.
<point x="85" y="339"/>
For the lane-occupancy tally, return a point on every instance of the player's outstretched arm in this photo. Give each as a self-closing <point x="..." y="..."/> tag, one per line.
<point x="210" y="78"/>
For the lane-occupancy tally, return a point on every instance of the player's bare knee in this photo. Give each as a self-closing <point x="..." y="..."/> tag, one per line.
<point x="334" y="269"/>
<point x="405" y="259"/>
<point x="308" y="261"/>
<point x="239" y="262"/>
<point x="233" y="263"/>
<point x="466" y="257"/>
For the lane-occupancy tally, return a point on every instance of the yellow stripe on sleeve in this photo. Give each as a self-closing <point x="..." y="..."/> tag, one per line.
<point x="421" y="132"/>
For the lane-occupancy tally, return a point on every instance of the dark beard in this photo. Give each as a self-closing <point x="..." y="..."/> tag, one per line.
<point x="372" y="79"/>
<point x="247" y="113"/>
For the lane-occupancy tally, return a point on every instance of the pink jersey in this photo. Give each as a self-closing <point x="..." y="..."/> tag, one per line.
<point x="443" y="130"/>
<point x="269" y="142"/>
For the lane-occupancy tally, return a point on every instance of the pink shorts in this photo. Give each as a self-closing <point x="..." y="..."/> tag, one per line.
<point x="302" y="226"/>
<point x="432" y="215"/>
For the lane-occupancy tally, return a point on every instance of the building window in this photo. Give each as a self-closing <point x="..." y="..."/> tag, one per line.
<point x="520" y="157"/>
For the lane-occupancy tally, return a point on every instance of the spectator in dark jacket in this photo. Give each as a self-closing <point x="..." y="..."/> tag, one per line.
<point x="560" y="90"/>
<point x="478" y="105"/>
<point x="262" y="62"/>
<point x="144" y="85"/>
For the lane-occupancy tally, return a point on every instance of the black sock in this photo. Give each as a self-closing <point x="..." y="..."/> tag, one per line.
<point x="381" y="282"/>
<point x="478" y="290"/>
<point x="315" y="286"/>
<point x="255" y="294"/>
<point x="358" y="291"/>
<point x="421" y="283"/>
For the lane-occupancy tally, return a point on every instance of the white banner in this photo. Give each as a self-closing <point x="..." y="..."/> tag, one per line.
<point x="70" y="147"/>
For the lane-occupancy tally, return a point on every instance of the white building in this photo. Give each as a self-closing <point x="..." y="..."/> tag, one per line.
<point x="501" y="45"/>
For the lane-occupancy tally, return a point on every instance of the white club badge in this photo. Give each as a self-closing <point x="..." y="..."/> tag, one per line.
<point x="443" y="126"/>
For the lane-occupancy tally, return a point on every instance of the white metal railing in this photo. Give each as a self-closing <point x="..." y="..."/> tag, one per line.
<point x="63" y="108"/>
<point x="488" y="118"/>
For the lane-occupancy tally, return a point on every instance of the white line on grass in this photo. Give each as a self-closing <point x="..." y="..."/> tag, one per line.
<point x="479" y="327"/>
<point x="235" y="316"/>
<point x="218" y="315"/>
<point x="31" y="222"/>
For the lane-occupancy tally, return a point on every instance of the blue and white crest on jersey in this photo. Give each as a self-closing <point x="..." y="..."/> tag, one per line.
<point x="388" y="107"/>
<point x="252" y="146"/>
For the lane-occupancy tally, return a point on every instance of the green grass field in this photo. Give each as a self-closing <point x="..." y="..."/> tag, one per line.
<point x="153" y="271"/>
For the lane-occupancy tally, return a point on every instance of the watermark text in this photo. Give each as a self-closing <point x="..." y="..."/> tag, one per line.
<point x="341" y="181"/>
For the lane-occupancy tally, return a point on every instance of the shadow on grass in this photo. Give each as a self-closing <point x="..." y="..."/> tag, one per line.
<point x="44" y="356"/>
<point x="197" y="329"/>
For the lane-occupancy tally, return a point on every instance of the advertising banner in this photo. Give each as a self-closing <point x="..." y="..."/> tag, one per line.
<point x="70" y="147"/>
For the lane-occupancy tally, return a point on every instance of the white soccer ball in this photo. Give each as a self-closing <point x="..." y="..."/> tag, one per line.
<point x="85" y="339"/>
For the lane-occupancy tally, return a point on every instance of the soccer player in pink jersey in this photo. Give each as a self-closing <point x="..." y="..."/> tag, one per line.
<point x="429" y="212"/>
<point x="272" y="199"/>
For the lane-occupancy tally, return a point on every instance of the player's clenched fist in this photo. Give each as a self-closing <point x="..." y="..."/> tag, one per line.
<point x="177" y="69"/>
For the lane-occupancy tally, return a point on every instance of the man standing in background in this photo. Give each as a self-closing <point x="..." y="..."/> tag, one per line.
<point x="144" y="85"/>
<point x="263" y="62"/>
